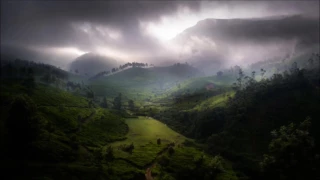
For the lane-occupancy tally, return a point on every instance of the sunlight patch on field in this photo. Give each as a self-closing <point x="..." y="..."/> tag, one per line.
<point x="215" y="101"/>
<point x="143" y="133"/>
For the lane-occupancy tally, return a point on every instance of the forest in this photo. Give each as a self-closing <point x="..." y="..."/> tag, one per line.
<point x="232" y="125"/>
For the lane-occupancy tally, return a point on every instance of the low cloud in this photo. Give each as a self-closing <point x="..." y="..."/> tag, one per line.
<point x="143" y="30"/>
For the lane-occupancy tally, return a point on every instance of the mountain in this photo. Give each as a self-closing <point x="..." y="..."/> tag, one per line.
<point x="13" y="52"/>
<point x="91" y="63"/>
<point x="167" y="73"/>
<point x="257" y="29"/>
<point x="218" y="43"/>
<point x="141" y="83"/>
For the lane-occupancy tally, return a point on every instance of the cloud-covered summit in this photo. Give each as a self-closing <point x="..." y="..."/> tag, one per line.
<point x="123" y="30"/>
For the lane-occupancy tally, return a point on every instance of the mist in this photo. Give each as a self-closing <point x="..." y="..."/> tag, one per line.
<point x="161" y="33"/>
<point x="154" y="89"/>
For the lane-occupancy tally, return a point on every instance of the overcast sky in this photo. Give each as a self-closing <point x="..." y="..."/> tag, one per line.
<point x="124" y="30"/>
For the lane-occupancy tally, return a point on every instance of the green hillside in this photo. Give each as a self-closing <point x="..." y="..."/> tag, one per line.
<point x="159" y="123"/>
<point x="142" y="83"/>
<point x="80" y="139"/>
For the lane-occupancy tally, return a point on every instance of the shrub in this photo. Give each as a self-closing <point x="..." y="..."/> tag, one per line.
<point x="164" y="160"/>
<point x="216" y="164"/>
<point x="109" y="154"/>
<point x="171" y="150"/>
<point x="127" y="148"/>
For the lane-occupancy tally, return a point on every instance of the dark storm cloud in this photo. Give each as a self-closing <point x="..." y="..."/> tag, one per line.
<point x="259" y="30"/>
<point x="49" y="23"/>
<point x="82" y="24"/>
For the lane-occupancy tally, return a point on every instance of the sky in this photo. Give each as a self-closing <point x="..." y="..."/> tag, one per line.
<point x="144" y="31"/>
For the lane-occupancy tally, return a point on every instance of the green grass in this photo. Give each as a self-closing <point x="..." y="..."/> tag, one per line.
<point x="101" y="127"/>
<point x="143" y="133"/>
<point x="65" y="118"/>
<point x="50" y="96"/>
<point x="104" y="127"/>
<point x="124" y="170"/>
<point x="213" y="102"/>
<point x="184" y="161"/>
<point x="199" y="84"/>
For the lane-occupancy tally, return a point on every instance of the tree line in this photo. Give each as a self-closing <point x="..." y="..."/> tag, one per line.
<point x="121" y="67"/>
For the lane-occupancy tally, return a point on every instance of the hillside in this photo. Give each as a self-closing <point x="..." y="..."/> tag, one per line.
<point x="238" y="124"/>
<point x="160" y="90"/>
<point x="175" y="72"/>
<point x="89" y="64"/>
<point x="71" y="136"/>
<point x="166" y="122"/>
<point x="256" y="29"/>
<point x="141" y="83"/>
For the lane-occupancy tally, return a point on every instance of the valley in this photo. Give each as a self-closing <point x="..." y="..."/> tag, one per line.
<point x="160" y="90"/>
<point x="140" y="124"/>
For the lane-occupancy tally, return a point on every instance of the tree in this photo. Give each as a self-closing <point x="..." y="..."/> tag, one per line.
<point x="90" y="94"/>
<point x="29" y="82"/>
<point x="131" y="105"/>
<point x="21" y="111"/>
<point x="291" y="153"/>
<point x="239" y="84"/>
<point x="104" y="102"/>
<point x="253" y="75"/>
<point x="46" y="78"/>
<point x="128" y="148"/>
<point x="294" y="68"/>
<point x="109" y="154"/>
<point x="263" y="72"/>
<point x="170" y="150"/>
<point x="23" y="125"/>
<point x="98" y="157"/>
<point x="117" y="104"/>
<point x="219" y="73"/>
<point x="310" y="63"/>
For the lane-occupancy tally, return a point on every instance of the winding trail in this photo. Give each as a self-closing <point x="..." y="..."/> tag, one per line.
<point x="152" y="164"/>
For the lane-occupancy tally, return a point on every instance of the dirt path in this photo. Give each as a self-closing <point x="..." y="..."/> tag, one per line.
<point x="152" y="164"/>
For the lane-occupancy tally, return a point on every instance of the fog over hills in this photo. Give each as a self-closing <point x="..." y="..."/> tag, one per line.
<point x="91" y="63"/>
<point x="160" y="90"/>
<point x="217" y="43"/>
<point x="208" y="35"/>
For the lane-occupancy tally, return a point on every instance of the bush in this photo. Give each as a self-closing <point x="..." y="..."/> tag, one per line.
<point x="216" y="164"/>
<point x="171" y="150"/>
<point x="109" y="154"/>
<point x="164" y="160"/>
<point x="127" y="148"/>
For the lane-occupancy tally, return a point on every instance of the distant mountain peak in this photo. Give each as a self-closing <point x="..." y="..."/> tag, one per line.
<point x="92" y="63"/>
